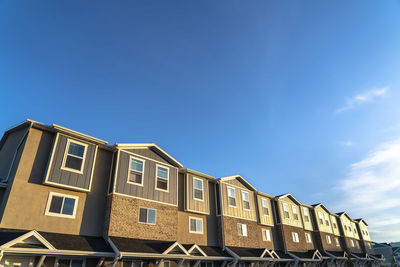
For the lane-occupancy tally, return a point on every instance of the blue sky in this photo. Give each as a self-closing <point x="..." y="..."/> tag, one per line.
<point x="296" y="96"/>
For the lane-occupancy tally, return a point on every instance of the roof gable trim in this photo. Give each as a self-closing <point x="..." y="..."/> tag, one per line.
<point x="25" y="236"/>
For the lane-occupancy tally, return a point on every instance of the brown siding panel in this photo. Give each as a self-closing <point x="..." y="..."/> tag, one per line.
<point x="197" y="205"/>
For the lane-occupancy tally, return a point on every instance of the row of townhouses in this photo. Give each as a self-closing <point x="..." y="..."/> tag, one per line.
<point x="72" y="200"/>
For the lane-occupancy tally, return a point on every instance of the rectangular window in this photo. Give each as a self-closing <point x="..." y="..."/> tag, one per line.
<point x="136" y="167"/>
<point x="61" y="205"/>
<point x="197" y="189"/>
<point x="295" y="215"/>
<point x="206" y="264"/>
<point x="286" y="210"/>
<point x="265" y="209"/>
<point x="266" y="235"/>
<point x="69" y="263"/>
<point x="242" y="229"/>
<point x="74" y="156"/>
<point x="352" y="243"/>
<point x="295" y="237"/>
<point x="308" y="238"/>
<point x="337" y="241"/>
<point x="321" y="218"/>
<point x="231" y="197"/>
<point x="195" y="225"/>
<point x="326" y="219"/>
<point x="126" y="263"/>
<point x="334" y="223"/>
<point x="246" y="200"/>
<point x="147" y="215"/>
<point x="328" y="239"/>
<point x="306" y="215"/>
<point x="162" y="178"/>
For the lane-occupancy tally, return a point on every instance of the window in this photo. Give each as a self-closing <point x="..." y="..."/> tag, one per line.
<point x="74" y="156"/>
<point x="328" y="239"/>
<point x="337" y="241"/>
<point x="326" y="219"/>
<point x="286" y="210"/>
<point x="352" y="243"/>
<point x="206" y="264"/>
<point x="357" y="245"/>
<point x="70" y="263"/>
<point x="308" y="238"/>
<point x="369" y="245"/>
<point x="231" y="197"/>
<point x="321" y="219"/>
<point x="197" y="189"/>
<point x="61" y="205"/>
<point x="242" y="229"/>
<point x="355" y="231"/>
<point x="126" y="263"/>
<point x="195" y="225"/>
<point x="306" y="215"/>
<point x="265" y="209"/>
<point x="136" y="167"/>
<point x="162" y="178"/>
<point x="295" y="237"/>
<point x="147" y="215"/>
<point x="246" y="200"/>
<point x="295" y="215"/>
<point x="266" y="235"/>
<point x="334" y="223"/>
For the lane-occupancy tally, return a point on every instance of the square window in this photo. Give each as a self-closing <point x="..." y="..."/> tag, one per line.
<point x="246" y="200"/>
<point x="197" y="189"/>
<point x="136" y="168"/>
<point x="196" y="225"/>
<point x="61" y="205"/>
<point x="74" y="156"/>
<point x="147" y="215"/>
<point x="162" y="178"/>
<point x="231" y="196"/>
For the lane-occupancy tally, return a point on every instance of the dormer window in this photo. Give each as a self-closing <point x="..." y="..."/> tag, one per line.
<point x="295" y="215"/>
<point x="265" y="209"/>
<point x="286" y="210"/>
<point x="246" y="200"/>
<point x="306" y="215"/>
<point x="74" y="156"/>
<point x="136" y="167"/>
<point x="231" y="197"/>
<point x="326" y="219"/>
<point x="162" y="178"/>
<point x="321" y="218"/>
<point x="197" y="189"/>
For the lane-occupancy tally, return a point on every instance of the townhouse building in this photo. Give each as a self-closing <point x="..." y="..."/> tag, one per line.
<point x="71" y="200"/>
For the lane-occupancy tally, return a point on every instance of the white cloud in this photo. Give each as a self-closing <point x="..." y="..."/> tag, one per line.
<point x="371" y="190"/>
<point x="365" y="97"/>
<point x="347" y="143"/>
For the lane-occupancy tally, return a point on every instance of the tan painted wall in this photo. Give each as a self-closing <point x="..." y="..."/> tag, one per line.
<point x="192" y="204"/>
<point x="124" y="219"/>
<point x="184" y="236"/>
<point x="364" y="231"/>
<point x="308" y="225"/>
<point x="323" y="227"/>
<point x="238" y="211"/>
<point x="336" y="231"/>
<point x="348" y="231"/>
<point x="291" y="221"/>
<point x="265" y="219"/>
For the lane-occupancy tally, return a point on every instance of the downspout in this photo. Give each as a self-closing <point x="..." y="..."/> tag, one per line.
<point x="16" y="152"/>
<point x="117" y="253"/>
<point x="222" y="213"/>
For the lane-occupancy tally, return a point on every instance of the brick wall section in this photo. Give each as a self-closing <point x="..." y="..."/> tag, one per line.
<point x="124" y="217"/>
<point x="332" y="246"/>
<point x="354" y="249"/>
<point x="184" y="236"/>
<point x="302" y="245"/>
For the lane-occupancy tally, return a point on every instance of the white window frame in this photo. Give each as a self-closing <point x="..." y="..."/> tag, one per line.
<point x="69" y="141"/>
<point x="352" y="243"/>
<point x="337" y="241"/>
<point x="306" y="215"/>
<point x="295" y="213"/>
<point x="129" y="170"/>
<point x="286" y="209"/>
<point x="234" y="192"/>
<point x="202" y="225"/>
<point x="243" y="200"/>
<point x="326" y="217"/>
<point x="321" y="218"/>
<point x="308" y="238"/>
<point x="295" y="237"/>
<point x="155" y="185"/>
<point x="266" y="237"/>
<point x="243" y="229"/>
<point x="328" y="239"/>
<point x="202" y="189"/>
<point x="264" y="205"/>
<point x="50" y="197"/>
<point x="70" y="261"/>
<point x="147" y="218"/>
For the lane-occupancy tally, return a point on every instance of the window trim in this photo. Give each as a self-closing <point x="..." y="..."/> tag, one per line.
<point x="326" y="217"/>
<point x="295" y="213"/>
<point x="320" y="218"/>
<point x="147" y="217"/>
<point x="227" y="194"/>
<point x="66" y="154"/>
<point x="155" y="185"/>
<point x="50" y="197"/>
<point x="264" y="207"/>
<point x="248" y="195"/>
<point x="241" y="229"/>
<point x="288" y="212"/>
<point x="129" y="170"/>
<point x="352" y="243"/>
<point x="202" y="189"/>
<point x="308" y="238"/>
<point x="328" y="239"/>
<point x="337" y="242"/>
<point x="202" y="225"/>
<point x="306" y="214"/>
<point x="264" y="230"/>
<point x="295" y="237"/>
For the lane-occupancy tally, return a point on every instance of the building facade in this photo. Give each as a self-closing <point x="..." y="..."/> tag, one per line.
<point x="71" y="200"/>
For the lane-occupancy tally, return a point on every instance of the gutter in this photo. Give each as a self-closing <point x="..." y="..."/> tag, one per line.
<point x="117" y="253"/>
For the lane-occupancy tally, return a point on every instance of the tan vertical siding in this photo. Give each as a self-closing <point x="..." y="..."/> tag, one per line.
<point x="238" y="211"/>
<point x="265" y="219"/>
<point x="290" y="221"/>
<point x="307" y="225"/>
<point x="323" y="227"/>
<point x="202" y="206"/>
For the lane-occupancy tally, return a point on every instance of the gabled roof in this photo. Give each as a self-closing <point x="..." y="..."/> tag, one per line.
<point x="176" y="246"/>
<point x="323" y="206"/>
<point x="197" y="173"/>
<point x="361" y="220"/>
<point x="152" y="146"/>
<point x="290" y="196"/>
<point x="344" y="213"/>
<point x="239" y="177"/>
<point x="265" y="195"/>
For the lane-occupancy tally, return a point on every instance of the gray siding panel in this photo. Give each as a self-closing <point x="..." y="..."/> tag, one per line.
<point x="64" y="177"/>
<point x="147" y="191"/>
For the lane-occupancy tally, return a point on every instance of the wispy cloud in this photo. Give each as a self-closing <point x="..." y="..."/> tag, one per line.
<point x="365" y="97"/>
<point x="347" y="143"/>
<point x="371" y="190"/>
